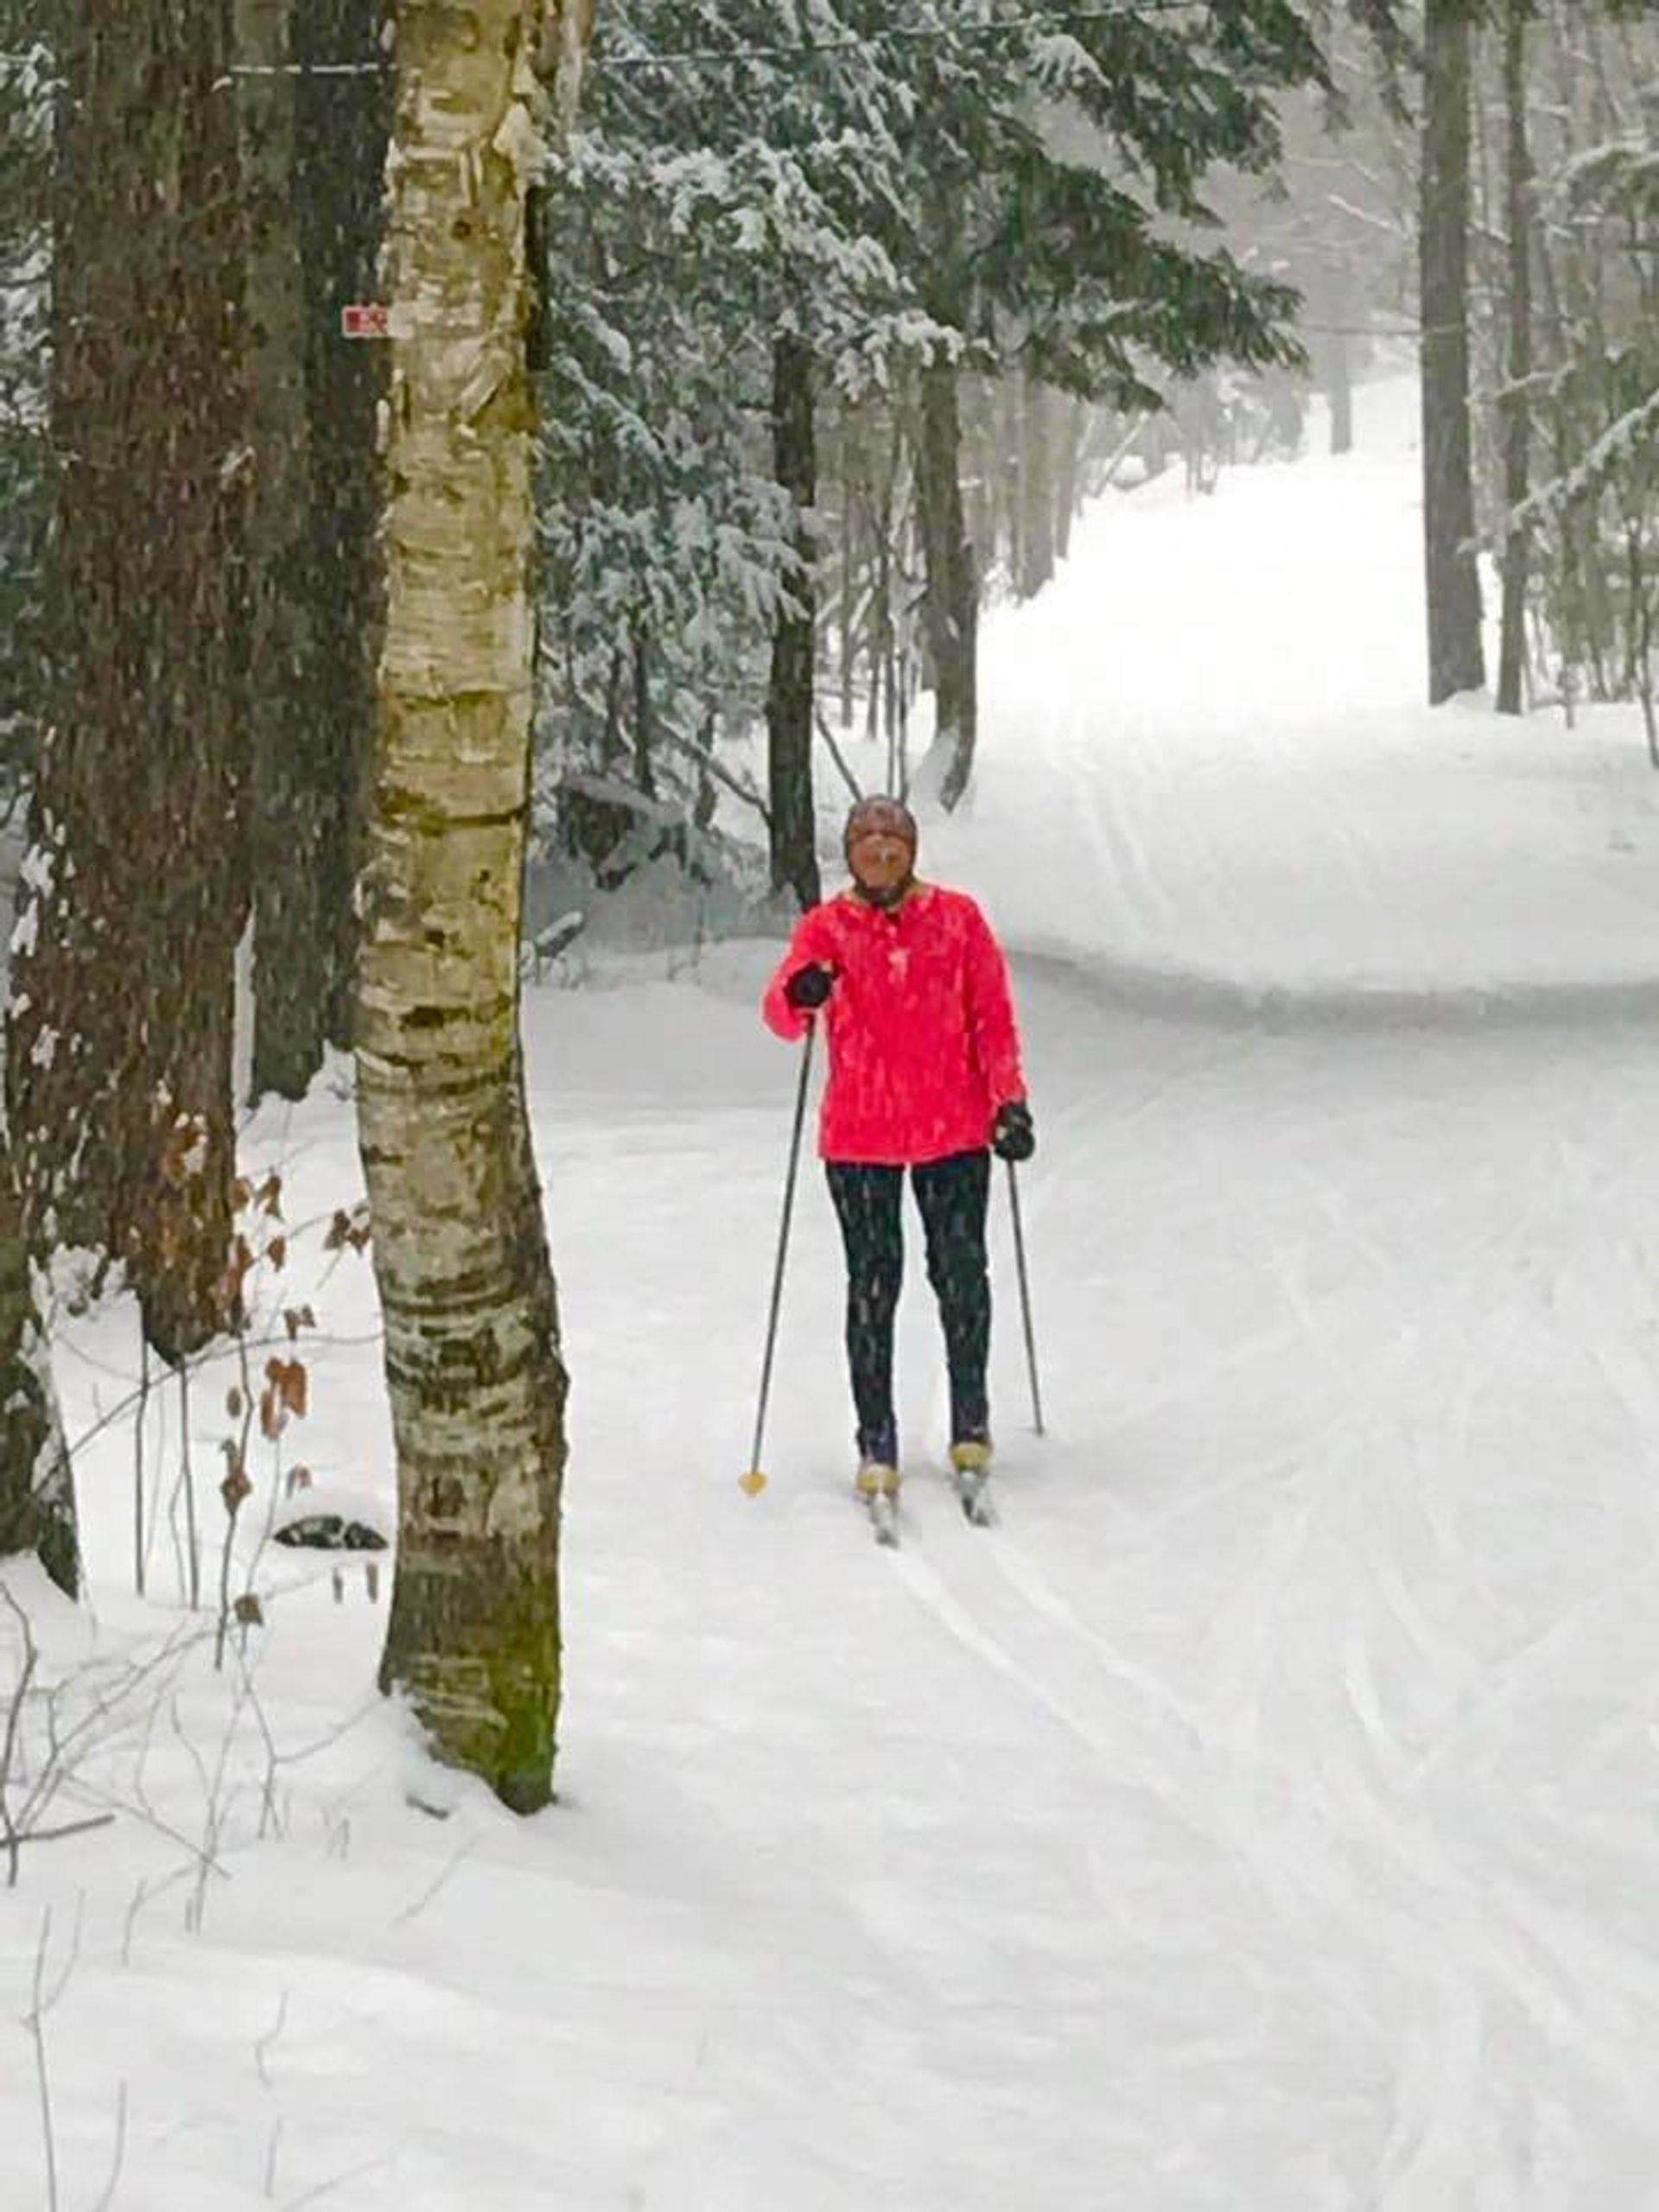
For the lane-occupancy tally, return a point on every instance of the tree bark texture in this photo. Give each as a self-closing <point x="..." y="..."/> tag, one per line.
<point x="951" y="601"/>
<point x="1456" y="661"/>
<point x="1517" y="402"/>
<point x="306" y="951"/>
<point x="120" y="1025"/>
<point x="792" y="833"/>
<point x="289" y="992"/>
<point x="37" y="1491"/>
<point x="476" y="1377"/>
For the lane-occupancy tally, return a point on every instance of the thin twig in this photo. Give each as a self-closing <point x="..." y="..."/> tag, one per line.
<point x="327" y="2188"/>
<point x="268" y="2040"/>
<point x="411" y="1911"/>
<point x="108" y="2197"/>
<point x="9" y="1837"/>
<point x="846" y="775"/>
<point x="68" y="1828"/>
<point x="36" y="2023"/>
<point x="188" y="1473"/>
<point x="138" y="1466"/>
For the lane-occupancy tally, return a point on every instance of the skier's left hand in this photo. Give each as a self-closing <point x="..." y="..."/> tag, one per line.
<point x="1011" y="1134"/>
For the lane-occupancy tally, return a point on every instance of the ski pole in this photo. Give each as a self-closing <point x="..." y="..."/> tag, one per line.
<point x="1025" y="1298"/>
<point x="755" y="1481"/>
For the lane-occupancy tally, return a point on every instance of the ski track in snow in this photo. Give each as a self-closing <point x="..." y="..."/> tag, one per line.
<point x="1483" y="1946"/>
<point x="1265" y="1813"/>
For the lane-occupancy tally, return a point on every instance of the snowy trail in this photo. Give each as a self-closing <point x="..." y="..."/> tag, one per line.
<point x="1261" y="1646"/>
<point x="1265" y="1815"/>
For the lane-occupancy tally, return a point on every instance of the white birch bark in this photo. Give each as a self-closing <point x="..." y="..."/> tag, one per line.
<point x="472" y="1358"/>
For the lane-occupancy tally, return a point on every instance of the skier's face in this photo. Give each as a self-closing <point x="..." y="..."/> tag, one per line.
<point x="880" y="861"/>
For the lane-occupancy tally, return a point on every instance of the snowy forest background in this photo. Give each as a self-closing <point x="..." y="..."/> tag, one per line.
<point x="639" y="410"/>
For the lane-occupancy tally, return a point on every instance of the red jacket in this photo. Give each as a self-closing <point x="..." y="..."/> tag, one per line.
<point x="923" y="1046"/>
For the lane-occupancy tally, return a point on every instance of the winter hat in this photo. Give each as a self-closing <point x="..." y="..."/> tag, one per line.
<point x="889" y="815"/>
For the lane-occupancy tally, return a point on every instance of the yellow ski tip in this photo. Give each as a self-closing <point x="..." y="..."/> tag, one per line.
<point x="752" y="1483"/>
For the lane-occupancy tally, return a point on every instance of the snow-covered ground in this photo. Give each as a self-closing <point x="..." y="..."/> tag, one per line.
<point x="1266" y="1815"/>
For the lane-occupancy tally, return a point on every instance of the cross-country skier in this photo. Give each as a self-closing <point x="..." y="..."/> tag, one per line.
<point x="924" y="1075"/>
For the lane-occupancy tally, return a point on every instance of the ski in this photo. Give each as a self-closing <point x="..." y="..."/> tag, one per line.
<point x="970" y="1476"/>
<point x="973" y="1494"/>
<point x="883" y="1509"/>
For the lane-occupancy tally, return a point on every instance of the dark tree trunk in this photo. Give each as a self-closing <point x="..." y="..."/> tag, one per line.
<point x="612" y="746"/>
<point x="644" y="775"/>
<point x="788" y="694"/>
<point x="37" y="1493"/>
<point x="1517" y="404"/>
<point x="951" y="598"/>
<point x="1339" y="364"/>
<point x="118" y="1063"/>
<point x="1068" y="481"/>
<point x="1456" y="662"/>
<point x="305" y="949"/>
<point x="291" y="958"/>
<point x="1037" y="530"/>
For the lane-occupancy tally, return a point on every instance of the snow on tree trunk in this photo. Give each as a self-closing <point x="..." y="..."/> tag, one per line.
<point x="1516" y="408"/>
<point x="37" y="1491"/>
<point x="950" y="601"/>
<point x="472" y="1359"/>
<point x="120" y="1025"/>
<point x="1456" y="662"/>
<point x="790" y="692"/>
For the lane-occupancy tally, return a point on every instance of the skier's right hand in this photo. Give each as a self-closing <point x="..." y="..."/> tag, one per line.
<point x="808" y="988"/>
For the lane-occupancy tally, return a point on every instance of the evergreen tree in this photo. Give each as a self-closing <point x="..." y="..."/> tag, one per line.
<point x="1081" y="253"/>
<point x="906" y="195"/>
<point x="736" y="189"/>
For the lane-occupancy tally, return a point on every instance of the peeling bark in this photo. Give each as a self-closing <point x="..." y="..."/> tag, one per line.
<point x="473" y="1366"/>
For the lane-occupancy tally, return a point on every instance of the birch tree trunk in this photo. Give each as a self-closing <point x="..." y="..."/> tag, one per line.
<point x="473" y="1364"/>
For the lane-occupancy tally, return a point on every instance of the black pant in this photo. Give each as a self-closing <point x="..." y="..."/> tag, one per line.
<point x="952" y="1194"/>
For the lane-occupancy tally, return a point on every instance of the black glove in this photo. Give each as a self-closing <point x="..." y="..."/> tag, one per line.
<point x="1011" y="1134"/>
<point x="808" y="988"/>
